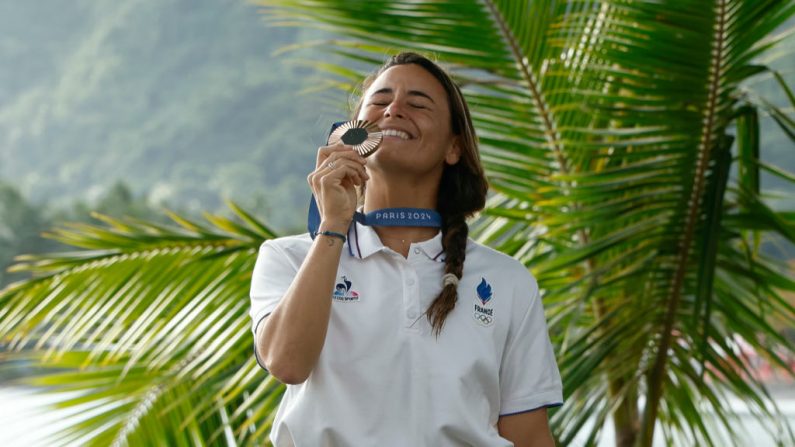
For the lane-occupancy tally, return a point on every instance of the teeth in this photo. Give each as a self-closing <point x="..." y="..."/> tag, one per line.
<point x="396" y="133"/>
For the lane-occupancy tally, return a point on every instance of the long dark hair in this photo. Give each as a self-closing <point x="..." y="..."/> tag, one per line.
<point x="462" y="188"/>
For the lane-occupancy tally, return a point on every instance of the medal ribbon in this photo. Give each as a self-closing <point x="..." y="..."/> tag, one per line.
<point x="387" y="217"/>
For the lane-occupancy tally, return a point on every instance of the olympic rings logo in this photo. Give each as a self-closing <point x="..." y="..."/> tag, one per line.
<point x="483" y="319"/>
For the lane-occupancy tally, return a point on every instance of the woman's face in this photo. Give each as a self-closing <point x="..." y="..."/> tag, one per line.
<point x="410" y="106"/>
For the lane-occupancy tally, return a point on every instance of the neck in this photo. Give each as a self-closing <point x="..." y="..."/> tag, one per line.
<point x="403" y="194"/>
<point x="400" y="193"/>
<point x="400" y="186"/>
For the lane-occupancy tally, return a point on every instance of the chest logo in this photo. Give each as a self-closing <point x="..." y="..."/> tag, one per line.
<point x="483" y="311"/>
<point x="343" y="291"/>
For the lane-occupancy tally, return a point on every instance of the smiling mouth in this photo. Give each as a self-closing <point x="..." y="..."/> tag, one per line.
<point x="396" y="133"/>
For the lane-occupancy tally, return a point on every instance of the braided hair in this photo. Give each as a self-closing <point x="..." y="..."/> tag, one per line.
<point x="462" y="188"/>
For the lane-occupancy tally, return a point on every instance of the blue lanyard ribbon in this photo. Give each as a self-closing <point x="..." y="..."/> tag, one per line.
<point x="387" y="217"/>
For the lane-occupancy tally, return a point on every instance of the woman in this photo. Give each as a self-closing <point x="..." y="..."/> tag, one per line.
<point x="403" y="335"/>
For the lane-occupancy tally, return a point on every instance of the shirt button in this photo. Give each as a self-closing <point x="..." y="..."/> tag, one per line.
<point x="410" y="282"/>
<point x="416" y="251"/>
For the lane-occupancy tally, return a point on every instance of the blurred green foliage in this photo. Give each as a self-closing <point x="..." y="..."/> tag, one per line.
<point x="22" y="223"/>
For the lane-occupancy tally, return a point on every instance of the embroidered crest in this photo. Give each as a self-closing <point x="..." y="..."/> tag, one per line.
<point x="343" y="291"/>
<point x="483" y="312"/>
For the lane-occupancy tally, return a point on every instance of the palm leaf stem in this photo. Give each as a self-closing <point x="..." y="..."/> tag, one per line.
<point x="550" y="134"/>
<point x="657" y="372"/>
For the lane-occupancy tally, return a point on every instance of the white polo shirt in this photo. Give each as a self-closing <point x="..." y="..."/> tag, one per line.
<point x="383" y="378"/>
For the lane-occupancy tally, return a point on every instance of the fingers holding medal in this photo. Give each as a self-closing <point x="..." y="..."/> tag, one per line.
<point x="346" y="165"/>
<point x="334" y="183"/>
<point x="340" y="167"/>
<point x="327" y="154"/>
<point x="363" y="137"/>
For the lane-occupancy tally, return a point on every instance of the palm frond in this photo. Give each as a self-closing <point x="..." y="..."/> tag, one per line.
<point x="149" y="326"/>
<point x="605" y="132"/>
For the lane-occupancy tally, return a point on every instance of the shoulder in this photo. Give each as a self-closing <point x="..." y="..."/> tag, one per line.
<point x="296" y="241"/>
<point x="503" y="272"/>
<point x="488" y="259"/>
<point x="296" y="246"/>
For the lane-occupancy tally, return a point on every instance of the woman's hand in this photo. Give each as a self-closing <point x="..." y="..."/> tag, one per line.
<point x="289" y="341"/>
<point x="339" y="169"/>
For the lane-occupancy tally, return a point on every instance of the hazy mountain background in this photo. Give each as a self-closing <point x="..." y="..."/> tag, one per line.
<point x="128" y="106"/>
<point x="181" y="100"/>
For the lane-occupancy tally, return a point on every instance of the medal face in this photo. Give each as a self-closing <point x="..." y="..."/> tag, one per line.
<point x="364" y="136"/>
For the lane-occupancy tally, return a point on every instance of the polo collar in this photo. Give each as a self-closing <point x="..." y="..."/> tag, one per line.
<point x="363" y="241"/>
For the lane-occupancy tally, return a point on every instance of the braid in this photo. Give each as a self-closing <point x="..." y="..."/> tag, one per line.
<point x="462" y="188"/>
<point x="454" y="242"/>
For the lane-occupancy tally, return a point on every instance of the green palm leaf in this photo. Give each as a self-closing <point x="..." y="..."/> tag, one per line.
<point x="604" y="127"/>
<point x="148" y="330"/>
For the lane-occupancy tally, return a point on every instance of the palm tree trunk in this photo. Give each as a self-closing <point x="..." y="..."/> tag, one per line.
<point x="626" y="421"/>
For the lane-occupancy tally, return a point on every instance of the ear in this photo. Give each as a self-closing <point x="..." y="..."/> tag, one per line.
<point x="453" y="152"/>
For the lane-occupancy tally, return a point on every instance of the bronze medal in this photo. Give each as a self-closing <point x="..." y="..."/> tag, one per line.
<point x="364" y="136"/>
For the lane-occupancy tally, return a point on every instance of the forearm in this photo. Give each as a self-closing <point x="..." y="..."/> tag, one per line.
<point x="530" y="429"/>
<point x="289" y="341"/>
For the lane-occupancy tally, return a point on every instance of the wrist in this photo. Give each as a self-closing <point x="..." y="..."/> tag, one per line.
<point x="335" y="226"/>
<point x="332" y="235"/>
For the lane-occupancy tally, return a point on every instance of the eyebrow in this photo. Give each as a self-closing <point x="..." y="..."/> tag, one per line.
<point x="387" y="90"/>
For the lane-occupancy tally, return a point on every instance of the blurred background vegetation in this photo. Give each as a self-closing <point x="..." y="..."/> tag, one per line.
<point x="127" y="108"/>
<point x="124" y="108"/>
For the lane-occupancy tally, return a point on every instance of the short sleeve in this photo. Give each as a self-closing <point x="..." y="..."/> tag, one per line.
<point x="272" y="276"/>
<point x="529" y="376"/>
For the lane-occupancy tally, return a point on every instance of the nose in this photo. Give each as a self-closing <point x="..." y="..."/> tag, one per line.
<point x="394" y="109"/>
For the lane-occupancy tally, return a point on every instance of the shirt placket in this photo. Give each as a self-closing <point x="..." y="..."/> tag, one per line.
<point x="411" y="290"/>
